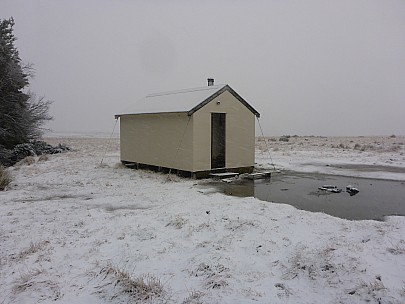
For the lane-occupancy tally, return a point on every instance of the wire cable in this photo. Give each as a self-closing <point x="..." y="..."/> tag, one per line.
<point x="109" y="140"/>
<point x="265" y="141"/>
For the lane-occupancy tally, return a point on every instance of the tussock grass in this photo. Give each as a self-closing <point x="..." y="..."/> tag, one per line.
<point x="372" y="292"/>
<point x="310" y="263"/>
<point x="43" y="158"/>
<point x="143" y="289"/>
<point x="38" y="284"/>
<point x="395" y="148"/>
<point x="26" y="280"/>
<point x="397" y="249"/>
<point x="402" y="291"/>
<point x="239" y="224"/>
<point x="172" y="178"/>
<point x="28" y="161"/>
<point x="33" y="248"/>
<point x="5" y="178"/>
<point x="178" y="222"/>
<point x="215" y="275"/>
<point x="193" y="298"/>
<point x="282" y="290"/>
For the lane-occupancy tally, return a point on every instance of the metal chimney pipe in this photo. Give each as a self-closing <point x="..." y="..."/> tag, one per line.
<point x="210" y="81"/>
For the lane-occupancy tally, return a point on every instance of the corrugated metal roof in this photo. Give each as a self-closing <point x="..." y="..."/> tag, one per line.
<point x="189" y="100"/>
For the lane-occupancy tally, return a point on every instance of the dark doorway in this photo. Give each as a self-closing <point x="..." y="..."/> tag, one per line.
<point x="217" y="140"/>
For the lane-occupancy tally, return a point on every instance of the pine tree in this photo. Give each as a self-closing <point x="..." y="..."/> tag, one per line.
<point x="21" y="114"/>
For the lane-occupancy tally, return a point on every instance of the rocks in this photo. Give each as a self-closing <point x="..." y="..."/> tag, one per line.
<point x="35" y="148"/>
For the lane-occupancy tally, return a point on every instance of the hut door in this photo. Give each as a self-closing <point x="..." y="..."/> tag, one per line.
<point x="217" y="140"/>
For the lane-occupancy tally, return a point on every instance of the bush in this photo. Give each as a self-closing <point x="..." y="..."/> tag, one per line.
<point x="5" y="157"/>
<point x="5" y="178"/>
<point x="35" y="148"/>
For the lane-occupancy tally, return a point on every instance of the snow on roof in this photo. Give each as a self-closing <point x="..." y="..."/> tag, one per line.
<point x="189" y="100"/>
<point x="174" y="101"/>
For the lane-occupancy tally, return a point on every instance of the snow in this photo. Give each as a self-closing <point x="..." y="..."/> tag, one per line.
<point x="373" y="157"/>
<point x="71" y="228"/>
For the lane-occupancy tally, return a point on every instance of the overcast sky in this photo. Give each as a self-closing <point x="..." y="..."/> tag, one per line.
<point x="309" y="67"/>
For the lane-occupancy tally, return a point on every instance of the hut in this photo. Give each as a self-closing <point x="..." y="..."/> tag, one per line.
<point x="193" y="132"/>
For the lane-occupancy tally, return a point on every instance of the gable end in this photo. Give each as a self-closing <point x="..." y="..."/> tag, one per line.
<point x="219" y="92"/>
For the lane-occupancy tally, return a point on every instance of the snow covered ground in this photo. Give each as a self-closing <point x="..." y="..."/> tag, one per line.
<point x="75" y="231"/>
<point x="374" y="157"/>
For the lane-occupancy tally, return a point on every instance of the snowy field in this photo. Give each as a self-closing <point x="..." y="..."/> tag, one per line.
<point x="75" y="231"/>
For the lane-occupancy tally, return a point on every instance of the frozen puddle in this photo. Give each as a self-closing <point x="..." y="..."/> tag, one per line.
<point x="377" y="198"/>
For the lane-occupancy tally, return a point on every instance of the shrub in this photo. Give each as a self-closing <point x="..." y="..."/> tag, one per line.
<point x="5" y="178"/>
<point x="35" y="148"/>
<point x="367" y="147"/>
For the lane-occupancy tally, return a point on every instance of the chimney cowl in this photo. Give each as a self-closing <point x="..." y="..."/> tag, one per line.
<point x="210" y="81"/>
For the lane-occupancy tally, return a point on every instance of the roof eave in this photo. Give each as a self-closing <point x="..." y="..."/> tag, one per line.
<point x="155" y="113"/>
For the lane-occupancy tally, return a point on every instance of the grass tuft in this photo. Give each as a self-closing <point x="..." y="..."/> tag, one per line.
<point x="193" y="298"/>
<point x="37" y="281"/>
<point x="397" y="249"/>
<point x="26" y="281"/>
<point x="374" y="292"/>
<point x="146" y="288"/>
<point x="172" y="178"/>
<point x="178" y="222"/>
<point x="5" y="178"/>
<point x="33" y="248"/>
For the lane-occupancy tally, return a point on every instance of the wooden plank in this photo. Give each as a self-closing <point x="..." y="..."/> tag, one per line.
<point x="224" y="174"/>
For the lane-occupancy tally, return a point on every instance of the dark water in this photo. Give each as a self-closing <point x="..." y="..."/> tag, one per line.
<point x="376" y="199"/>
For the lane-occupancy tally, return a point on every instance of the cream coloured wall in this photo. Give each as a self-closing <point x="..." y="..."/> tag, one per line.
<point x="240" y="133"/>
<point x="154" y="139"/>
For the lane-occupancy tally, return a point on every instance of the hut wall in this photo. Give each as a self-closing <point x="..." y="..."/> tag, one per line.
<point x="162" y="140"/>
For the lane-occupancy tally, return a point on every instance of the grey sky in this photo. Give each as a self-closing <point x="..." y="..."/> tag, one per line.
<point x="309" y="67"/>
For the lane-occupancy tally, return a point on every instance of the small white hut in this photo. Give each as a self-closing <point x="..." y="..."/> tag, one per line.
<point x="194" y="132"/>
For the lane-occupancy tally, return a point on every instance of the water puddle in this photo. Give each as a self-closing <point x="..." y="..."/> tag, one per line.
<point x="376" y="199"/>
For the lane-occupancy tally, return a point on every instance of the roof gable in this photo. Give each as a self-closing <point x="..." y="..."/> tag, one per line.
<point x="219" y="92"/>
<point x="188" y="101"/>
